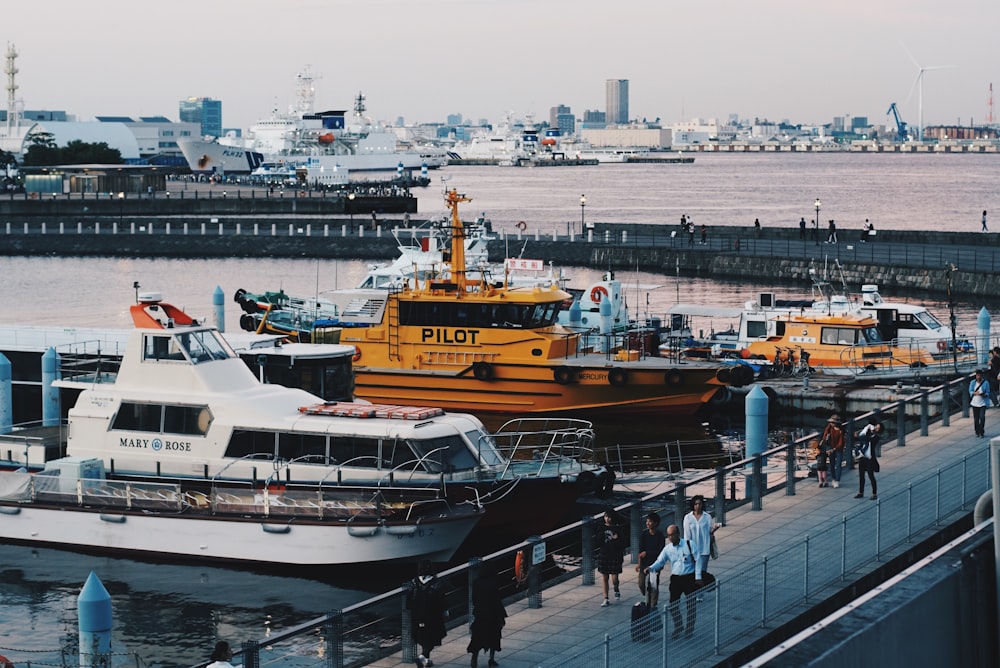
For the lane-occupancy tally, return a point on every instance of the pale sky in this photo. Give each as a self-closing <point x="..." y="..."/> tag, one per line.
<point x="804" y="61"/>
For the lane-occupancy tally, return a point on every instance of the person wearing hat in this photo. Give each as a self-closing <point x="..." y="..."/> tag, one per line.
<point x="833" y="439"/>
<point x="979" y="391"/>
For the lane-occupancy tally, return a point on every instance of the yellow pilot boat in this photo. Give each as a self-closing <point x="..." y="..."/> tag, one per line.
<point x="837" y="344"/>
<point x="482" y="347"/>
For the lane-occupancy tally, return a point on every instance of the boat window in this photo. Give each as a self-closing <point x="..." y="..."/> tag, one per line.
<point x="355" y="450"/>
<point x="191" y="420"/>
<point x="160" y="348"/>
<point x="756" y="329"/>
<point x="244" y="443"/>
<point x="296" y="446"/>
<point x="472" y="314"/>
<point x="484" y="443"/>
<point x="202" y="346"/>
<point x="444" y="455"/>
<point x="872" y="335"/>
<point x="839" y="336"/>
<point x="138" y="417"/>
<point x="928" y="320"/>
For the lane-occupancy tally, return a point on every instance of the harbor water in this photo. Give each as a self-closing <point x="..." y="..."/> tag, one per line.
<point x="171" y="615"/>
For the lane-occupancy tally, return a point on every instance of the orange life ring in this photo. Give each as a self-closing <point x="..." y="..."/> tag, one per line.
<point x="521" y="568"/>
<point x="942" y="345"/>
<point x="357" y="354"/>
<point x="521" y="225"/>
<point x="598" y="293"/>
<point x="5" y="662"/>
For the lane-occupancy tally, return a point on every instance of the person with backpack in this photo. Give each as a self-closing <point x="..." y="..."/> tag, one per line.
<point x="865" y="453"/>
<point x="428" y="610"/>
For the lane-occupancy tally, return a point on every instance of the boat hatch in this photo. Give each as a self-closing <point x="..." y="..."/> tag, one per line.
<point x="351" y="409"/>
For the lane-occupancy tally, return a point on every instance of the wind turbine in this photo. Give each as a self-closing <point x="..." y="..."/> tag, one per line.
<point x="919" y="83"/>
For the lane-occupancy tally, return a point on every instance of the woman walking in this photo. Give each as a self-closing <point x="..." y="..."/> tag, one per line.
<point x="610" y="556"/>
<point x="866" y="452"/>
<point x="699" y="529"/>
<point x="488" y="619"/>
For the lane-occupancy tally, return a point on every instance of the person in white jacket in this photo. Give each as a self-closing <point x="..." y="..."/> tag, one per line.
<point x="698" y="528"/>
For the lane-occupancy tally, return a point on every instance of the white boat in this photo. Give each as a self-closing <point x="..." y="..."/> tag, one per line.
<point x="183" y="417"/>
<point x="509" y="144"/>
<point x="322" y="142"/>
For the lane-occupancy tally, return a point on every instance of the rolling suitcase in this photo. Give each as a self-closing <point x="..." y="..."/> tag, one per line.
<point x="643" y="615"/>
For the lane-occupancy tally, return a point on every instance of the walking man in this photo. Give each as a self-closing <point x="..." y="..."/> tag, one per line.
<point x="802" y="229"/>
<point x="979" y="391"/>
<point x="832" y="233"/>
<point x="685" y="579"/>
<point x="985" y="229"/>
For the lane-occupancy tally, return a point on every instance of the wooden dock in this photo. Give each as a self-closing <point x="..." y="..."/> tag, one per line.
<point x="571" y="620"/>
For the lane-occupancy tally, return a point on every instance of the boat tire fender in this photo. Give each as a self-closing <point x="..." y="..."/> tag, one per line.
<point x="586" y="482"/>
<point x="741" y="375"/>
<point x="618" y="376"/>
<point x="247" y="324"/>
<point x="482" y="370"/>
<point x="674" y="378"/>
<point x="564" y="375"/>
<point x="521" y="225"/>
<point x="605" y="484"/>
<point x="721" y="397"/>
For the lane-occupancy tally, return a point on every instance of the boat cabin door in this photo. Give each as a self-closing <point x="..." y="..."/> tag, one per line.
<point x="888" y="323"/>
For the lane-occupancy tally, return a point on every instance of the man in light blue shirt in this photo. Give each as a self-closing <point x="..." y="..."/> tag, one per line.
<point x="685" y="578"/>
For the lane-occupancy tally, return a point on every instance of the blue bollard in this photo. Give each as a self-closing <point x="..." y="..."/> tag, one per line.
<point x="756" y="410"/>
<point x="983" y="344"/>
<point x="50" y="393"/>
<point x="94" y="620"/>
<point x="219" y="301"/>
<point x="575" y="313"/>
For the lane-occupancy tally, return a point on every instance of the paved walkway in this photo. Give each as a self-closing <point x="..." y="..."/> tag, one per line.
<point x="571" y="617"/>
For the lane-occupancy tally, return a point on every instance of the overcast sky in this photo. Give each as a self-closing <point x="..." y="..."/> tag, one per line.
<point x="800" y="60"/>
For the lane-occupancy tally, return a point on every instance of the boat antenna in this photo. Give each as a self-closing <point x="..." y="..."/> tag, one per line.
<point x="135" y="286"/>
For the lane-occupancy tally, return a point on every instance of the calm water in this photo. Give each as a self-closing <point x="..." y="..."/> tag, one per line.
<point x="172" y="614"/>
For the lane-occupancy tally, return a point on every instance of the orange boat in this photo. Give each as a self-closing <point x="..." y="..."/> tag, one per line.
<point x="480" y="347"/>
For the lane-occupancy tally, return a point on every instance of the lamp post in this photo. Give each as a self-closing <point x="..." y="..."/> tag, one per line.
<point x="121" y="209"/>
<point x="816" y="230"/>
<point x="350" y="206"/>
<point x="583" y="204"/>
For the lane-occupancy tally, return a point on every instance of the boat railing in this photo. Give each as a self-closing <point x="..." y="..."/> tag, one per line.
<point x="53" y="488"/>
<point x="566" y="443"/>
<point x="88" y="361"/>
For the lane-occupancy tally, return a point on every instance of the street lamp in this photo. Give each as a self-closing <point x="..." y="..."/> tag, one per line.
<point x="816" y="230"/>
<point x="121" y="208"/>
<point x="350" y="206"/>
<point x="583" y="203"/>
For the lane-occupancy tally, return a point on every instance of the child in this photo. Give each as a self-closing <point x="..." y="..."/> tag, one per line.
<point x="821" y="465"/>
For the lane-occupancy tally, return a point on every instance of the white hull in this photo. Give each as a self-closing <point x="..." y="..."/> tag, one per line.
<point x="211" y="157"/>
<point x="279" y="541"/>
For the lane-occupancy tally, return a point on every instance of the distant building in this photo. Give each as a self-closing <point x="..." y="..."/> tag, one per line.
<point x="627" y="137"/>
<point x="206" y="112"/>
<point x="562" y="117"/>
<point x="616" y="91"/>
<point x="30" y="115"/>
<point x="454" y="119"/>
<point x="594" y="119"/>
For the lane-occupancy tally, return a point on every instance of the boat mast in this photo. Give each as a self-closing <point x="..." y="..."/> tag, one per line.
<point x="452" y="198"/>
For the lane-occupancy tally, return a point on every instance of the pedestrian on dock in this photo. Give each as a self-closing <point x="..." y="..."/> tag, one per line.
<point x="979" y="391"/>
<point x="685" y="579"/>
<point x="374" y="221"/>
<point x="833" y="438"/>
<point x="802" y="229"/>
<point x="704" y="234"/>
<point x="611" y="555"/>
<point x="985" y="229"/>
<point x="756" y="226"/>
<point x="699" y="529"/>
<point x="221" y="656"/>
<point x="831" y="235"/>
<point x="822" y="463"/>
<point x="865" y="453"/>
<point x="993" y="375"/>
<point x="690" y="226"/>
<point x="866" y="231"/>
<point x="428" y="610"/>
<point x="488" y="619"/>
<point x="651" y="543"/>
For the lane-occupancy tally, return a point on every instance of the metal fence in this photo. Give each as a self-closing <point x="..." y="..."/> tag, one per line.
<point x="761" y="594"/>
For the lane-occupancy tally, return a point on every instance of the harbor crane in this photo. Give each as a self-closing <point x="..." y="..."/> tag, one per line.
<point x="901" y="133"/>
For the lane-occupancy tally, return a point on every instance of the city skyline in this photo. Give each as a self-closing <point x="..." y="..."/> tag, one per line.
<point x="774" y="59"/>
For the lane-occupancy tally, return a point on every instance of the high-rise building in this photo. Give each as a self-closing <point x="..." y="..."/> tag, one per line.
<point x="205" y="111"/>
<point x="561" y="116"/>
<point x="617" y="101"/>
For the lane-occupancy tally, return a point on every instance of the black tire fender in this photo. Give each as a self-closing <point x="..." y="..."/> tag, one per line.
<point x="617" y="376"/>
<point x="564" y="375"/>
<point x="482" y="371"/>
<point x="586" y="482"/>
<point x="605" y="484"/>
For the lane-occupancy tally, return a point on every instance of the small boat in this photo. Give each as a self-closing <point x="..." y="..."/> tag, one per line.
<point x="461" y="341"/>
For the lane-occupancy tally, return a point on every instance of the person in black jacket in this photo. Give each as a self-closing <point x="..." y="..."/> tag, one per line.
<point x="428" y="610"/>
<point x="651" y="543"/>
<point x="610" y="555"/>
<point x="488" y="619"/>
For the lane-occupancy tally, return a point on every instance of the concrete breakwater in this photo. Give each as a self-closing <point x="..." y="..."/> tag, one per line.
<point x="318" y="226"/>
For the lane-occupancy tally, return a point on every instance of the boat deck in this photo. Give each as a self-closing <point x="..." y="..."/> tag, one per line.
<point x="571" y="619"/>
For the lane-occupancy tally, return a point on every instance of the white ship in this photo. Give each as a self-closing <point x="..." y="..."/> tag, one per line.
<point x="303" y="137"/>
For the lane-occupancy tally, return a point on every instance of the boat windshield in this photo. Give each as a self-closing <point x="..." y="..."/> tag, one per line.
<point x="203" y="346"/>
<point x="928" y="320"/>
<point x="446" y="454"/>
